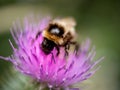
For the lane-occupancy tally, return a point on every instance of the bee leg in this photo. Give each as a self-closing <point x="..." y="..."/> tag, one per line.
<point x="38" y="34"/>
<point x="66" y="50"/>
<point x="58" y="50"/>
<point x="52" y="57"/>
<point x="76" y="49"/>
<point x="68" y="46"/>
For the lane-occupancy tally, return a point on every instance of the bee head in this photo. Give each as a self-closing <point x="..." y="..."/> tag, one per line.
<point x="55" y="29"/>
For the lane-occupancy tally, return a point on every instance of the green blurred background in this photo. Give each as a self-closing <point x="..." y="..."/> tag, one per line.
<point x="97" y="19"/>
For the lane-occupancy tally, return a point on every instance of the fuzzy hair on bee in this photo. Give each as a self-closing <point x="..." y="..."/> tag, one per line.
<point x="59" y="33"/>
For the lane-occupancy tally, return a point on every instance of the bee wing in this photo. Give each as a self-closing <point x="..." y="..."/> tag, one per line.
<point x="69" y="21"/>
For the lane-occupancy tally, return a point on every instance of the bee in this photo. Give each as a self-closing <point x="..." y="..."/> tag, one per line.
<point x="59" y="33"/>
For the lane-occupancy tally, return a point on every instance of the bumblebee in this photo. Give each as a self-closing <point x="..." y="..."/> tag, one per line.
<point x="59" y="33"/>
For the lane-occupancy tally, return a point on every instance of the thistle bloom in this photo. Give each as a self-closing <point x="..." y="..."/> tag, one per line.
<point x="60" y="73"/>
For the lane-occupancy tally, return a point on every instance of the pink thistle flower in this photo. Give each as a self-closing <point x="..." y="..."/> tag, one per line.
<point x="30" y="60"/>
